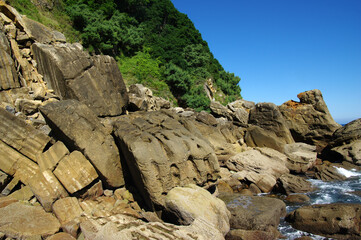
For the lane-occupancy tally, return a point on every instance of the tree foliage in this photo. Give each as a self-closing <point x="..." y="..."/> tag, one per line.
<point x="156" y="45"/>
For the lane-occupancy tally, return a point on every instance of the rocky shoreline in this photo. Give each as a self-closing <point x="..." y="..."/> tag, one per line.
<point x="84" y="157"/>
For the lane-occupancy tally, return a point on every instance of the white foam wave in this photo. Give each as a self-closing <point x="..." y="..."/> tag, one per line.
<point x="348" y="173"/>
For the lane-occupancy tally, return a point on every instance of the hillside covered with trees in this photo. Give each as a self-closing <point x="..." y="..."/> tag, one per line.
<point x="153" y="43"/>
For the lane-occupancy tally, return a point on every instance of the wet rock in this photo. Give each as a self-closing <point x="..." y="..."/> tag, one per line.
<point x="254" y="213"/>
<point x="301" y="157"/>
<point x="240" y="234"/>
<point x="328" y="173"/>
<point x="268" y="117"/>
<point x="79" y="128"/>
<point x="20" y="221"/>
<point x="339" y="220"/>
<point x="309" y="120"/>
<point x="191" y="202"/>
<point x="73" y="74"/>
<point x="261" y="166"/>
<point x="297" y="198"/>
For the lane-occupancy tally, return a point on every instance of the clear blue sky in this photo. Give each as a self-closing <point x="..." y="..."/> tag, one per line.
<point x="280" y="48"/>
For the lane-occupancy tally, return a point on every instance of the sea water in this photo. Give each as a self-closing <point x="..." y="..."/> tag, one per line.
<point x="327" y="192"/>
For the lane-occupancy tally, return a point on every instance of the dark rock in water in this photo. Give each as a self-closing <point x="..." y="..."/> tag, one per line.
<point x="79" y="128"/>
<point x="297" y="198"/>
<point x="161" y="154"/>
<point x="309" y="120"/>
<point x="338" y="220"/>
<point x="269" y="117"/>
<point x="73" y="74"/>
<point x="289" y="184"/>
<point x="240" y="234"/>
<point x="328" y="173"/>
<point x="254" y="213"/>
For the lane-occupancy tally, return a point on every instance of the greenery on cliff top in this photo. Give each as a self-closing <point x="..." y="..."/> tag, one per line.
<point x="153" y="42"/>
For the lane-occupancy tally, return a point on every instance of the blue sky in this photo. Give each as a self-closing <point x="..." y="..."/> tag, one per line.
<point x="280" y="48"/>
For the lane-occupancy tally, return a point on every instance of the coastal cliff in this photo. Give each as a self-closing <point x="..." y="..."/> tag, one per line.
<point x="84" y="156"/>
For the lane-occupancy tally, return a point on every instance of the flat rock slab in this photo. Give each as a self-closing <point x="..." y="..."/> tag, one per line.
<point x="254" y="213"/>
<point x="80" y="129"/>
<point x="161" y="154"/>
<point x="21" y="136"/>
<point x="338" y="220"/>
<point x="20" y="221"/>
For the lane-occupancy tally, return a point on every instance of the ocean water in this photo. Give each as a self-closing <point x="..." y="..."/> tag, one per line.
<point x="327" y="192"/>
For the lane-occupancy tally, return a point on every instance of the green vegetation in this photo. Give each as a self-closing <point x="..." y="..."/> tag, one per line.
<point x="153" y="42"/>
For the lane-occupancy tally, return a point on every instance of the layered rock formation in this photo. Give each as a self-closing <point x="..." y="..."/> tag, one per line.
<point x="75" y="164"/>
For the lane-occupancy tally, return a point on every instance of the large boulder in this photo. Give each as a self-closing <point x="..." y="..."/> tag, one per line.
<point x="268" y="116"/>
<point x="79" y="128"/>
<point x="288" y="184"/>
<point x="337" y="221"/>
<point x="254" y="213"/>
<point x="258" y="137"/>
<point x="346" y="143"/>
<point x="192" y="202"/>
<point x="309" y="120"/>
<point x="22" y="221"/>
<point x="161" y="154"/>
<point x="73" y="74"/>
<point x="261" y="166"/>
<point x="301" y="157"/>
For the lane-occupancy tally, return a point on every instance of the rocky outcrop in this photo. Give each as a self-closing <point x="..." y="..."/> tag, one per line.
<point x="301" y="157"/>
<point x="73" y="74"/>
<point x="142" y="99"/>
<point x="261" y="166"/>
<point x="309" y="120"/>
<point x="346" y="144"/>
<point x="8" y="75"/>
<point x="233" y="112"/>
<point x="79" y="128"/>
<point x="161" y="154"/>
<point x="192" y="202"/>
<point x="21" y="221"/>
<point x="268" y="117"/>
<point x="339" y="221"/>
<point x="255" y="213"/>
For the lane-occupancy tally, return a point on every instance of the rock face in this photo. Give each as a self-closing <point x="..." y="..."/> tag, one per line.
<point x="73" y="74"/>
<point x="268" y="116"/>
<point x="8" y="75"/>
<point x="259" y="137"/>
<point x="161" y="154"/>
<point x="309" y="120"/>
<point x="81" y="130"/>
<point x="235" y="112"/>
<point x="254" y="213"/>
<point x="192" y="202"/>
<point x="261" y="166"/>
<point x="301" y="157"/>
<point x="20" y="221"/>
<point x="339" y="221"/>
<point x="288" y="184"/>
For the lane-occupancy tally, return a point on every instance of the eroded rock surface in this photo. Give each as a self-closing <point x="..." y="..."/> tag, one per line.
<point x="339" y="220"/>
<point x="161" y="154"/>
